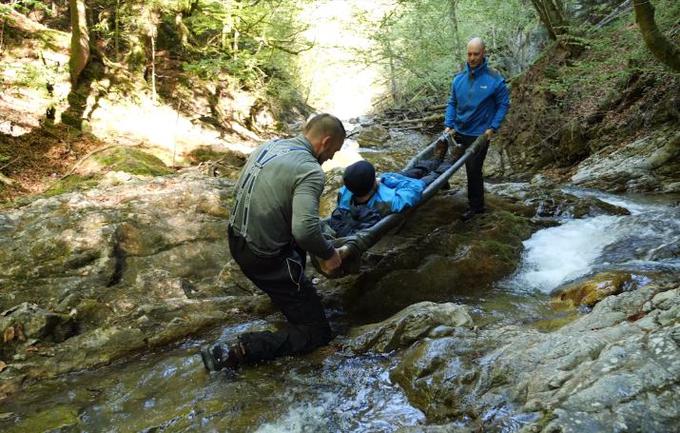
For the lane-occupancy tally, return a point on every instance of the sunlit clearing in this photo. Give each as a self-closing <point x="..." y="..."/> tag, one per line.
<point x="335" y="79"/>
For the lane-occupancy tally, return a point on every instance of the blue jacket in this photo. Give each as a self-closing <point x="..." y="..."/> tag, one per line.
<point x="395" y="193"/>
<point x="479" y="101"/>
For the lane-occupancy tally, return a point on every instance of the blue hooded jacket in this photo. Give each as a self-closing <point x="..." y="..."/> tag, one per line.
<point x="479" y="101"/>
<point x="395" y="193"/>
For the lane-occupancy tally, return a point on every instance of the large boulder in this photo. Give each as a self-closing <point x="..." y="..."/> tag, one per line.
<point x="373" y="136"/>
<point x="551" y="202"/>
<point x="613" y="369"/>
<point x="591" y="290"/>
<point x="409" y="325"/>
<point x="435" y="256"/>
<point x="112" y="270"/>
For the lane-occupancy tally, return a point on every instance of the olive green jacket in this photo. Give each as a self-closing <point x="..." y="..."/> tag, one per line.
<point x="277" y="199"/>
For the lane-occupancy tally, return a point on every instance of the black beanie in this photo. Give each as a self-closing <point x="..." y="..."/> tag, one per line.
<point x="359" y="178"/>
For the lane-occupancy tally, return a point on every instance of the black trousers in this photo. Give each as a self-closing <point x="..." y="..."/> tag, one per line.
<point x="283" y="279"/>
<point x="473" y="169"/>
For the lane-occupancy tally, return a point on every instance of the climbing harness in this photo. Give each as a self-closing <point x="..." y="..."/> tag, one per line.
<point x="246" y="184"/>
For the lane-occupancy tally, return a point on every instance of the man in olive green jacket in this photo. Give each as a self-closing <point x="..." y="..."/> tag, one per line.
<point x="274" y="223"/>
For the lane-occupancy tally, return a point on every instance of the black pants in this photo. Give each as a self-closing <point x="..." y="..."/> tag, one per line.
<point x="473" y="169"/>
<point x="283" y="279"/>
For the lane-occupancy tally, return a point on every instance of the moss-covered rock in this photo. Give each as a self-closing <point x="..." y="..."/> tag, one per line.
<point x="126" y="159"/>
<point x="108" y="272"/>
<point x="434" y="259"/>
<point x="373" y="136"/>
<point x="60" y="418"/>
<point x="71" y="183"/>
<point x="590" y="291"/>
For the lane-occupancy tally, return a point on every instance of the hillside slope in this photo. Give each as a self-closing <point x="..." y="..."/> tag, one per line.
<point x="606" y="117"/>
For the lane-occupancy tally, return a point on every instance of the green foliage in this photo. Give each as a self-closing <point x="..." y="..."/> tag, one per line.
<point x="251" y="45"/>
<point x="422" y="44"/>
<point x="32" y="76"/>
<point x="26" y="6"/>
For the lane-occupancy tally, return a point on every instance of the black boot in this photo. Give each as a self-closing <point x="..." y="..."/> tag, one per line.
<point x="470" y="213"/>
<point x="219" y="356"/>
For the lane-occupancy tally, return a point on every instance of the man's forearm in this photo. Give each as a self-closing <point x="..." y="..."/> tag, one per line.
<point x="307" y="235"/>
<point x="305" y="224"/>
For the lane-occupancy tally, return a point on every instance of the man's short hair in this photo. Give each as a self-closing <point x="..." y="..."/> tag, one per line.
<point x="359" y="178"/>
<point x="324" y="125"/>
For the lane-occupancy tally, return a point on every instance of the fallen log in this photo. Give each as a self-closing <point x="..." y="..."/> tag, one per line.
<point x="431" y="118"/>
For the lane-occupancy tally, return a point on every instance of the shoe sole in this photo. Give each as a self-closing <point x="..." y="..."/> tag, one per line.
<point x="208" y="361"/>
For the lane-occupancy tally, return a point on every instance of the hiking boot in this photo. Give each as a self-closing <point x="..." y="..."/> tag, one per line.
<point x="219" y="356"/>
<point x="470" y="213"/>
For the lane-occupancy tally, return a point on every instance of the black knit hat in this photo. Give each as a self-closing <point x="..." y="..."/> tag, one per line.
<point x="359" y="178"/>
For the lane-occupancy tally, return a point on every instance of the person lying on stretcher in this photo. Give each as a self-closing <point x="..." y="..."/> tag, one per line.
<point x="364" y="199"/>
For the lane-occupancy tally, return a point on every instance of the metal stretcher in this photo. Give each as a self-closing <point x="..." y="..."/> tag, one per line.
<point x="352" y="247"/>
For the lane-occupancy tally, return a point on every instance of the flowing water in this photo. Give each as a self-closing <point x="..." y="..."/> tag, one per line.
<point x="171" y="392"/>
<point x="333" y="391"/>
<point x="646" y="241"/>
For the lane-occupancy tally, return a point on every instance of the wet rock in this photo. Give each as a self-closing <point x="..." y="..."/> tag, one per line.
<point x="373" y="136"/>
<point x="29" y="321"/>
<point x="61" y="418"/>
<point x="445" y="428"/>
<point x="553" y="203"/>
<point x="616" y="366"/>
<point x="152" y="255"/>
<point x="27" y="325"/>
<point x="414" y="322"/>
<point x="362" y="120"/>
<point x="589" y="291"/>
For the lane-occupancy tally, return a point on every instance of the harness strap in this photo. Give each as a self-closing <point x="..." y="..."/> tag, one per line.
<point x="247" y="184"/>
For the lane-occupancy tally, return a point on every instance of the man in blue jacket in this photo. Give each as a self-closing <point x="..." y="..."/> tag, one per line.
<point x="364" y="200"/>
<point x="478" y="104"/>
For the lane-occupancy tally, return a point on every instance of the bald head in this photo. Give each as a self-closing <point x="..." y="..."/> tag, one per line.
<point x="477" y="43"/>
<point x="326" y="134"/>
<point x="475" y="52"/>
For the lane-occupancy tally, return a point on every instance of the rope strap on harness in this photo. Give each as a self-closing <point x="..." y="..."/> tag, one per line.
<point x="248" y="179"/>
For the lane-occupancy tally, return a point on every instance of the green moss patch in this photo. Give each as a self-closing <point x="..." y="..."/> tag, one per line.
<point x="72" y="183"/>
<point x="131" y="160"/>
<point x="208" y="153"/>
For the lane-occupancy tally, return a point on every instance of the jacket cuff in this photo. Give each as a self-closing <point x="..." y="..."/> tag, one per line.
<point x="328" y="253"/>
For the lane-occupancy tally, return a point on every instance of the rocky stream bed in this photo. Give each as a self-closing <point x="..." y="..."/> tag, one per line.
<point x="557" y="311"/>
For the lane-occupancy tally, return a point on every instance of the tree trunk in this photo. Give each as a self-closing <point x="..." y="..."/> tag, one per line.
<point x="393" y="78"/>
<point x="80" y="40"/>
<point x="116" y="31"/>
<point x="454" y="20"/>
<point x="153" y="66"/>
<point x="551" y="13"/>
<point x="663" y="49"/>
